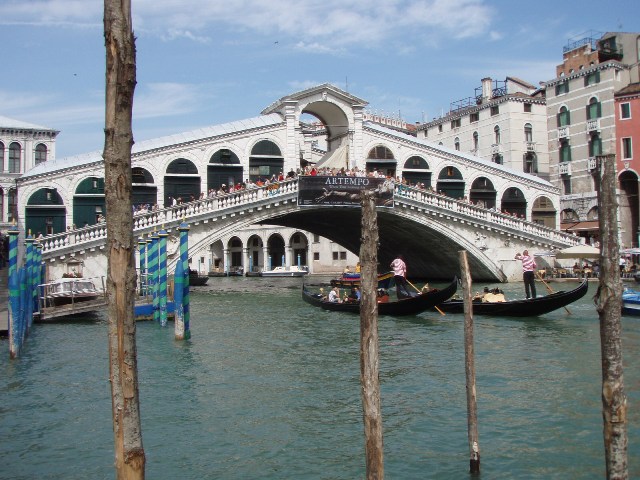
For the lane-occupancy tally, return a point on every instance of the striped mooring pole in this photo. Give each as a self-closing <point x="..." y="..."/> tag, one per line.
<point x="184" y="260"/>
<point x="162" y="261"/>
<point x="14" y="295"/>
<point x="153" y="275"/>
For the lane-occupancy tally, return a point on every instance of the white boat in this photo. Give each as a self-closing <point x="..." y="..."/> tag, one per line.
<point x="68" y="291"/>
<point x="291" y="271"/>
<point x="631" y="302"/>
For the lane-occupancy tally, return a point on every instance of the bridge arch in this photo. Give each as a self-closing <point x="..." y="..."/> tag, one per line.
<point x="45" y="212"/>
<point x="298" y="245"/>
<point x="513" y="201"/>
<point x="335" y="119"/>
<point x="416" y="170"/>
<point x="224" y="168"/>
<point x="380" y="157"/>
<point x="265" y="159"/>
<point x="543" y="211"/>
<point x="276" y="250"/>
<point x="88" y="201"/>
<point x="483" y="193"/>
<point x="451" y="182"/>
<point x="181" y="181"/>
<point x="144" y="188"/>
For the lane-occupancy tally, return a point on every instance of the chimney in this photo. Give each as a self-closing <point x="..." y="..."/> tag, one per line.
<point x="487" y="88"/>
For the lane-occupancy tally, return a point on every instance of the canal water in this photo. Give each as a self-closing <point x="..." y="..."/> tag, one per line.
<point x="268" y="388"/>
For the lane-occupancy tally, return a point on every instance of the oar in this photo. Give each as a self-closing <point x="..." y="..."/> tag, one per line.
<point x="420" y="291"/>
<point x="550" y="289"/>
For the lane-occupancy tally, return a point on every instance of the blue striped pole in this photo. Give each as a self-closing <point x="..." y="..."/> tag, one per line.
<point x="178" y="290"/>
<point x="184" y="260"/>
<point x="29" y="282"/>
<point x="22" y="324"/>
<point x="162" y="261"/>
<point x="142" y="249"/>
<point x="14" y="295"/>
<point x="153" y="275"/>
<point x="39" y="276"/>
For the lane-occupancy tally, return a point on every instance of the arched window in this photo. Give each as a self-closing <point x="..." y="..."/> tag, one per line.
<point x="15" y="151"/>
<point x="41" y="153"/>
<point x="528" y="132"/>
<point x="2" y="156"/>
<point x="564" y="117"/>
<point x="475" y="141"/>
<point x="496" y="132"/>
<point x="456" y="143"/>
<point x="593" y="109"/>
<point x="380" y="153"/>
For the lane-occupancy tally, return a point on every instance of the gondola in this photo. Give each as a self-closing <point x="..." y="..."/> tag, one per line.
<point x="196" y="279"/>
<point x="406" y="306"/>
<point x="520" y="308"/>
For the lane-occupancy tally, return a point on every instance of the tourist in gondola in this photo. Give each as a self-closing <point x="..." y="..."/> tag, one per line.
<point x="528" y="267"/>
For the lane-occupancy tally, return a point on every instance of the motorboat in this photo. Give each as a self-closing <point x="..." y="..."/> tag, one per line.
<point x="631" y="302"/>
<point x="69" y="291"/>
<point x="290" y="271"/>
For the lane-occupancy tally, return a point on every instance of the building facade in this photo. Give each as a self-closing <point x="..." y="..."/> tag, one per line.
<point x="582" y="121"/>
<point x="22" y="146"/>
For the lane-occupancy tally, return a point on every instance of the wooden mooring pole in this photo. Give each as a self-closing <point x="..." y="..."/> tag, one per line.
<point x="470" y="366"/>
<point x="609" y="305"/>
<point x="369" y="353"/>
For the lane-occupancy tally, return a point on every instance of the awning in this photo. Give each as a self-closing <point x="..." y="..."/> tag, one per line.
<point x="582" y="226"/>
<point x="338" y="158"/>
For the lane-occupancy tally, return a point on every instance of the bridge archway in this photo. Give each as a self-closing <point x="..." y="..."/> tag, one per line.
<point x="181" y="181"/>
<point x="45" y="212"/>
<point x="451" y="182"/>
<point x="144" y="189"/>
<point x="514" y="202"/>
<point x="88" y="201"/>
<point x="416" y="170"/>
<point x="265" y="161"/>
<point x="381" y="158"/>
<point x="544" y="212"/>
<point x="224" y="168"/>
<point x="483" y="193"/>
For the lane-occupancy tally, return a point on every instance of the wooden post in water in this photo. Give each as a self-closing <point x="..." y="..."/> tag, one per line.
<point x="609" y="305"/>
<point x="369" y="354"/>
<point x="470" y="366"/>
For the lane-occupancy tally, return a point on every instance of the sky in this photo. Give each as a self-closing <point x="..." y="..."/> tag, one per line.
<point x="207" y="62"/>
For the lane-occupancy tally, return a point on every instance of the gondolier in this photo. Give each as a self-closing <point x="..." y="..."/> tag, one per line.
<point x="528" y="267"/>
<point x="400" y="277"/>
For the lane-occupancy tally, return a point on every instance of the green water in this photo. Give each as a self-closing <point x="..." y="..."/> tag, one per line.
<point x="268" y="388"/>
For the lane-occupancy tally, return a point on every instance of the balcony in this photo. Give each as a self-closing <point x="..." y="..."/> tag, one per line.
<point x="565" y="168"/>
<point x="593" y="125"/>
<point x="563" y="132"/>
<point x="591" y="163"/>
<point x="531" y="146"/>
<point x="496" y="148"/>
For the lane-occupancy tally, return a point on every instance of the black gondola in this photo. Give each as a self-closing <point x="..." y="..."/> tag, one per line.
<point x="520" y="308"/>
<point x="406" y="306"/>
<point x="196" y="279"/>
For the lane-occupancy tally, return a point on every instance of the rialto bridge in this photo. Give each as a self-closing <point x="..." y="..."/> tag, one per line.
<point x="64" y="198"/>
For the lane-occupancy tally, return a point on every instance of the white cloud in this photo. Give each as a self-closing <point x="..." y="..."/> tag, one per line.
<point x="167" y="99"/>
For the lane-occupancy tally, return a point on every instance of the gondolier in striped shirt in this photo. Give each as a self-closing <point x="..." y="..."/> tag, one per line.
<point x="528" y="267"/>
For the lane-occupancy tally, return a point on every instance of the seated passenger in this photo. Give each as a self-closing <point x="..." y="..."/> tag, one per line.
<point x="334" y="295"/>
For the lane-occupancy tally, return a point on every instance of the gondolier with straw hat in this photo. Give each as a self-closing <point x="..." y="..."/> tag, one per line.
<point x="528" y="267"/>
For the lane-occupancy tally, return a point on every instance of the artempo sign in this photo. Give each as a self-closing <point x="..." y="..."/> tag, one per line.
<point x="343" y="191"/>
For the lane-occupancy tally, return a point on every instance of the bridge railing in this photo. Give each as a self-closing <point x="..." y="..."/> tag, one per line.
<point x="166" y="217"/>
<point x="449" y="204"/>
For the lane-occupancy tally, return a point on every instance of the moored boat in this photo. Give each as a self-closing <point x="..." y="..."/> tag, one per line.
<point x="196" y="279"/>
<point x="291" y="271"/>
<point x="68" y="291"/>
<point x="407" y="306"/>
<point x="631" y="302"/>
<point x="351" y="280"/>
<point x="520" y="308"/>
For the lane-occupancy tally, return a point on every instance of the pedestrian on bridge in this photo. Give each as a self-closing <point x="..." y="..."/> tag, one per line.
<point x="528" y="276"/>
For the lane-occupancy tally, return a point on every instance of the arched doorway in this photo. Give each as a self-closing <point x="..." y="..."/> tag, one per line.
<point x="483" y="193"/>
<point x="543" y="212"/>
<point x="299" y="244"/>
<point x="181" y="181"/>
<point x="513" y="202"/>
<point x="45" y="212"/>
<point x="381" y="159"/>
<point x="254" y="246"/>
<point x="266" y="160"/>
<point x="450" y="182"/>
<point x="224" y="168"/>
<point x="88" y="202"/>
<point x="143" y="189"/>
<point x="416" y="171"/>
<point x="275" y="252"/>
<point x="235" y="254"/>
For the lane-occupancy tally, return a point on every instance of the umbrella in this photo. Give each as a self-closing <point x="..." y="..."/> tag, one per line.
<point x="579" y="251"/>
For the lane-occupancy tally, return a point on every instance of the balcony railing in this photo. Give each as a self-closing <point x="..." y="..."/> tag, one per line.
<point x="565" y="168"/>
<point x="563" y="132"/>
<point x="496" y="148"/>
<point x="593" y="125"/>
<point x="591" y="163"/>
<point x="531" y="146"/>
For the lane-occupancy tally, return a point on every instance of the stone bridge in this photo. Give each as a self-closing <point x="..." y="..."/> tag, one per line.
<point x="427" y="228"/>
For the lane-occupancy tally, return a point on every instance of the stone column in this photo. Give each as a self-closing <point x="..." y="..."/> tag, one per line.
<point x="246" y="264"/>
<point x="225" y="260"/>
